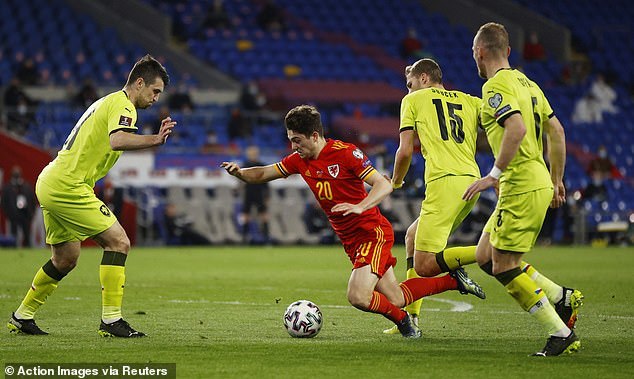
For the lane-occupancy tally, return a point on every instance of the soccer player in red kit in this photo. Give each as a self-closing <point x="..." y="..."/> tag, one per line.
<point x="336" y="173"/>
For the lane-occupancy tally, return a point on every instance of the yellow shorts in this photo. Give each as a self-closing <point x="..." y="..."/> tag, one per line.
<point x="442" y="211"/>
<point x="517" y="220"/>
<point x="72" y="214"/>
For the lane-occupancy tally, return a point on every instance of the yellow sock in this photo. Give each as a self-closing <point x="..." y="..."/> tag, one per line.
<point x="553" y="291"/>
<point x="546" y="315"/>
<point x="455" y="257"/>
<point x="44" y="283"/>
<point x="413" y="308"/>
<point x="531" y="298"/>
<point x="112" y="278"/>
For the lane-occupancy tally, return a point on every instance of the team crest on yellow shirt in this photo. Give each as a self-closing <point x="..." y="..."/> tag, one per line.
<point x="104" y="210"/>
<point x="495" y="100"/>
<point x="333" y="170"/>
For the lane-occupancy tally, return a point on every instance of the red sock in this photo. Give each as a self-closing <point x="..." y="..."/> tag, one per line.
<point x="380" y="304"/>
<point x="416" y="288"/>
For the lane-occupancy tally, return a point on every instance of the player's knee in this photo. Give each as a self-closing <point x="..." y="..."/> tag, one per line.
<point x="119" y="244"/>
<point x="425" y="265"/>
<point x="65" y="264"/>
<point x="410" y="236"/>
<point x="398" y="302"/>
<point x="359" y="300"/>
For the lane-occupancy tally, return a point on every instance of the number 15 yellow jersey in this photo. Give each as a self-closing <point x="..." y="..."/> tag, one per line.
<point x="447" y="126"/>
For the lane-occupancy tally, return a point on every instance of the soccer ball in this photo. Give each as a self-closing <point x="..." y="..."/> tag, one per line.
<point x="303" y="319"/>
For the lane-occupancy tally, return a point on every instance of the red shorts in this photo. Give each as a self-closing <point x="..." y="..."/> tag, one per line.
<point x="372" y="246"/>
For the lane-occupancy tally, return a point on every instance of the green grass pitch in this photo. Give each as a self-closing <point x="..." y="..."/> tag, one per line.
<point x="217" y="312"/>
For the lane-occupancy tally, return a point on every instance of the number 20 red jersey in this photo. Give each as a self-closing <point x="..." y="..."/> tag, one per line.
<point x="337" y="176"/>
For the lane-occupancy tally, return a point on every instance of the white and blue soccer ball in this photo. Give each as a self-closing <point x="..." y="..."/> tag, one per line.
<point x="303" y="319"/>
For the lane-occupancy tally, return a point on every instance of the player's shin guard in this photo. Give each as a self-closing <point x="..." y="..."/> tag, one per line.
<point x="488" y="268"/>
<point x="414" y="307"/>
<point x="531" y="298"/>
<point x="380" y="304"/>
<point x="44" y="283"/>
<point x="112" y="278"/>
<point x="553" y="291"/>
<point x="455" y="257"/>
<point x="417" y="288"/>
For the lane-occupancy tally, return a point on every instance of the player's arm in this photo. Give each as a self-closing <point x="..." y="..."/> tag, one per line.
<point x="381" y="187"/>
<point x="557" y="158"/>
<point x="121" y="140"/>
<point x="403" y="157"/>
<point x="514" y="132"/>
<point x="256" y="174"/>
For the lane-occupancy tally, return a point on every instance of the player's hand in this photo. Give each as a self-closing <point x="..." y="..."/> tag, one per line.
<point x="559" y="195"/>
<point x="479" y="186"/>
<point x="166" y="129"/>
<point x="347" y="208"/>
<point x="394" y="186"/>
<point x="232" y="168"/>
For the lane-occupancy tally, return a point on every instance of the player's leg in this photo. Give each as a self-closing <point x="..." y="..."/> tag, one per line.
<point x="25" y="225"/>
<point x="372" y="260"/>
<point x="388" y="285"/>
<point x="57" y="205"/>
<point x="63" y="260"/>
<point x="82" y="215"/>
<point x="362" y="295"/>
<point x="530" y="297"/>
<point x="398" y="295"/>
<point x="116" y="246"/>
<point x="513" y="229"/>
<point x="413" y="308"/>
<point x="263" y="216"/>
<point x="419" y="289"/>
<point x="360" y="291"/>
<point x="442" y="212"/>
<point x="245" y="218"/>
<point x="566" y="301"/>
<point x="371" y="257"/>
<point x="246" y="221"/>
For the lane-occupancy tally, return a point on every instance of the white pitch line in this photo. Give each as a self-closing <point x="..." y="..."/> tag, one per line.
<point x="617" y="317"/>
<point x="188" y="301"/>
<point x="457" y="306"/>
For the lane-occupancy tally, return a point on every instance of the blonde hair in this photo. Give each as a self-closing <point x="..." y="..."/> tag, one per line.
<point x="426" y="66"/>
<point x="493" y="37"/>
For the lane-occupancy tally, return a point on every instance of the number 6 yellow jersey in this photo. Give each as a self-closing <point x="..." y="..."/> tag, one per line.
<point x="506" y="93"/>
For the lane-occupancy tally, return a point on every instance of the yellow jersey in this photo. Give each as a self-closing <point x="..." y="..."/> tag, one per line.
<point x="447" y="126"/>
<point x="508" y="92"/>
<point x="87" y="155"/>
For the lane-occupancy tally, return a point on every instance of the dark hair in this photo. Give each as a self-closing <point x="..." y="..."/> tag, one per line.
<point x="149" y="69"/>
<point x="426" y="66"/>
<point x="494" y="37"/>
<point x="304" y="119"/>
